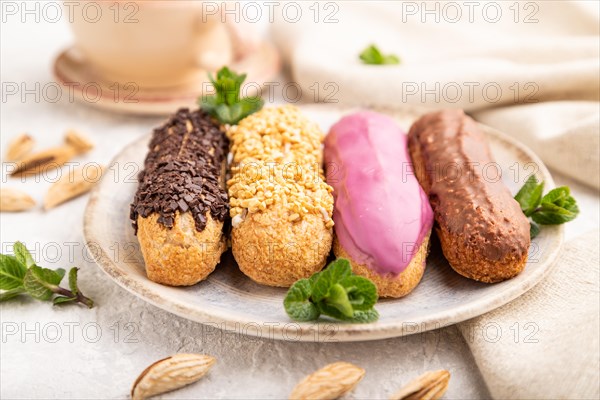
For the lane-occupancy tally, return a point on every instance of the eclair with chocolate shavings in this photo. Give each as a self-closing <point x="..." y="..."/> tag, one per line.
<point x="181" y="204"/>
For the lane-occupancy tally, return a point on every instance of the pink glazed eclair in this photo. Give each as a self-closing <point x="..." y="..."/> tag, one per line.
<point x="382" y="216"/>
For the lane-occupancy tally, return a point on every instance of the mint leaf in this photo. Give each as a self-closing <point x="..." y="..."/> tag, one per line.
<point x="534" y="229"/>
<point x="23" y="255"/>
<point x="63" y="299"/>
<point x="359" y="316"/>
<point x="12" y="272"/>
<point x="227" y="85"/>
<point x="297" y="304"/>
<point x="335" y="272"/>
<point x="364" y="316"/>
<point x="73" y="281"/>
<point x="226" y="104"/>
<point x="331" y="311"/>
<point x="530" y="195"/>
<point x="338" y="298"/>
<point x="362" y="293"/>
<point x="209" y="104"/>
<point x="551" y="214"/>
<point x="223" y="113"/>
<point x="334" y="292"/>
<point x="561" y="197"/>
<point x="9" y="294"/>
<point x="557" y="207"/>
<point x="60" y="272"/>
<point x="41" y="283"/>
<point x="314" y="278"/>
<point x="372" y="55"/>
<point x="557" y="195"/>
<point x="20" y="275"/>
<point x="247" y="106"/>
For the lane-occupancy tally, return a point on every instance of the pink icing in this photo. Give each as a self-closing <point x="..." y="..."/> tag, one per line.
<point x="381" y="212"/>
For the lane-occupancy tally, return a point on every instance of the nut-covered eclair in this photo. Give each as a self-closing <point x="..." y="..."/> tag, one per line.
<point x="483" y="232"/>
<point x="280" y="205"/>
<point x="181" y="203"/>
<point x="382" y="215"/>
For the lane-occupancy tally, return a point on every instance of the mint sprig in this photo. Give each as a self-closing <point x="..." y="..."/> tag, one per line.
<point x="226" y="104"/>
<point x="334" y="292"/>
<point x="556" y="207"/>
<point x="19" y="275"/>
<point x="373" y="56"/>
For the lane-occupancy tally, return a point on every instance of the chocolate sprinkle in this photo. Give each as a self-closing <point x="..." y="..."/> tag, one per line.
<point x="182" y="171"/>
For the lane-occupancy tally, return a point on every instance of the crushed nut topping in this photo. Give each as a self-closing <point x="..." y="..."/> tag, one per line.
<point x="277" y="161"/>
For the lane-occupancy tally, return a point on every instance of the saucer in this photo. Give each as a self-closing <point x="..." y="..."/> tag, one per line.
<point x="84" y="83"/>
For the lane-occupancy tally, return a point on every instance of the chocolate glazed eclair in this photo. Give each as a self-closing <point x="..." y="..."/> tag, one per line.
<point x="482" y="230"/>
<point x="181" y="203"/>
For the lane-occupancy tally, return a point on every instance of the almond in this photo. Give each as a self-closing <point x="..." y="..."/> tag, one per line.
<point x="430" y="386"/>
<point x="77" y="182"/>
<point x="78" y="140"/>
<point x="19" y="147"/>
<point x="50" y="158"/>
<point x="75" y="144"/>
<point x="15" y="200"/>
<point x="171" y="373"/>
<point x="330" y="382"/>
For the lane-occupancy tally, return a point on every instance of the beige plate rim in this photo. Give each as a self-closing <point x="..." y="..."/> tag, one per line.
<point x="328" y="330"/>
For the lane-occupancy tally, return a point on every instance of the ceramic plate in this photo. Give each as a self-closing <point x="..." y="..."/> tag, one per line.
<point x="229" y="300"/>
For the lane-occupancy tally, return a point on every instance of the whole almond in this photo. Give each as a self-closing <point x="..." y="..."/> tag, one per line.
<point x="15" y="200"/>
<point x="171" y="373"/>
<point x="329" y="382"/>
<point x="75" y="144"/>
<point x="50" y="158"/>
<point x="78" y="140"/>
<point x="19" y="147"/>
<point x="430" y="386"/>
<point x="77" y="182"/>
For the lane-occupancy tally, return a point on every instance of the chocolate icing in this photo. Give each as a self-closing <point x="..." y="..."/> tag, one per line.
<point x="465" y="189"/>
<point x="183" y="171"/>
